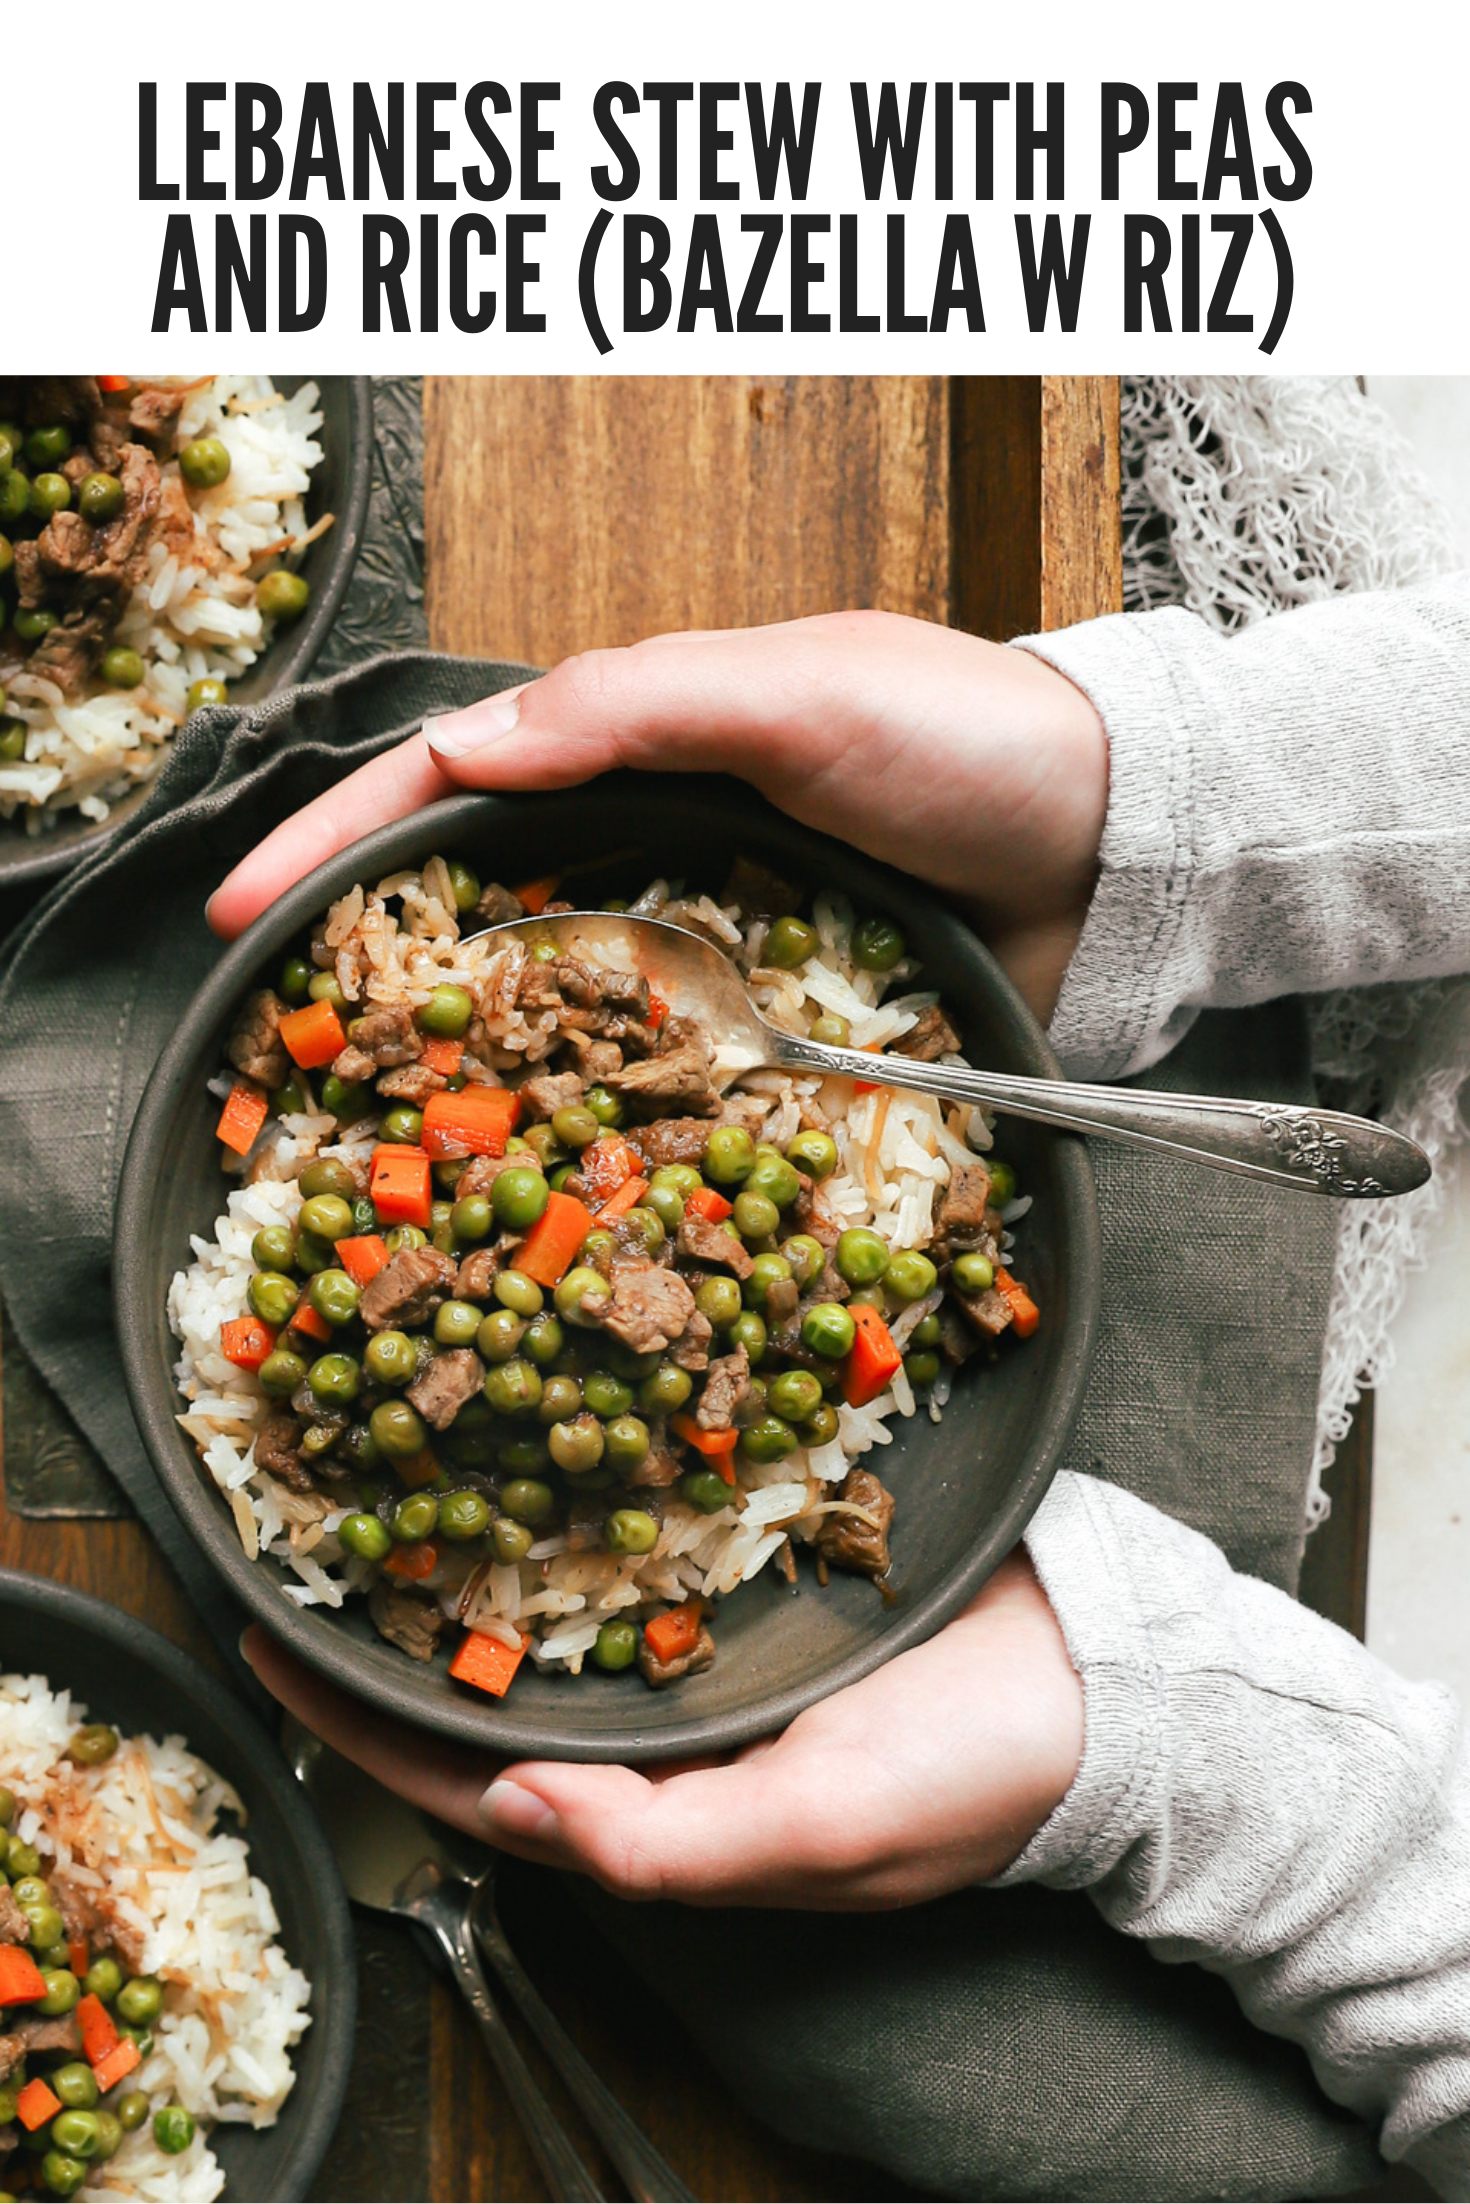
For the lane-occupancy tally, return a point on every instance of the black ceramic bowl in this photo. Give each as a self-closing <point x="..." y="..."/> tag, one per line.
<point x="340" y="485"/>
<point x="965" y="1487"/>
<point x="127" y="1675"/>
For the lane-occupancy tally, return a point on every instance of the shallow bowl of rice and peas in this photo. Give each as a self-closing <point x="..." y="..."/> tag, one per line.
<point x="165" y="544"/>
<point x="512" y="1352"/>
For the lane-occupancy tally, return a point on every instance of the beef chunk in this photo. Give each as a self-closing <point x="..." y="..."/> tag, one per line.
<point x="651" y="1307"/>
<point x="481" y="1172"/>
<point x="707" y="1242"/>
<point x="78" y="1914"/>
<point x="595" y="1059"/>
<point x="586" y="1520"/>
<point x="961" y="1218"/>
<point x="549" y="1091"/>
<point x="68" y="654"/>
<point x="597" y="987"/>
<point x="352" y="1066"/>
<point x="409" y="1620"/>
<point x="412" y="1083"/>
<point x="389" y="1037"/>
<point x="691" y="1349"/>
<point x="477" y="1275"/>
<point x="726" y="1387"/>
<point x="989" y="1312"/>
<point x="408" y="1289"/>
<point x="498" y="907"/>
<point x="450" y="1380"/>
<point x="153" y="411"/>
<point x="930" y="1039"/>
<point x="278" y="1450"/>
<point x="845" y="1542"/>
<point x="783" y="1298"/>
<point x="255" y="1046"/>
<point x="759" y="892"/>
<point x="659" y="1467"/>
<point x="677" y="1080"/>
<point x="748" y="1111"/>
<point x="657" y="1672"/>
<point x="37" y="2033"/>
<point x="672" y="1140"/>
<point x="14" y="1927"/>
<point x="957" y="1340"/>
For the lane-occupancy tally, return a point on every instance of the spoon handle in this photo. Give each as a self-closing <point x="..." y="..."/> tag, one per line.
<point x="1319" y="1151"/>
<point x="443" y="1908"/>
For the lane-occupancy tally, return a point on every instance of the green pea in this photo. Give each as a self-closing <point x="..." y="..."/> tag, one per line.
<point x="12" y="740"/>
<point x="806" y="1257"/>
<point x="877" y="945"/>
<point x="447" y="1012"/>
<point x="109" y="2136"/>
<point x="282" y="1371"/>
<point x="665" y="1390"/>
<point x="513" y="1388"/>
<point x="518" y="1293"/>
<point x="527" y="1500"/>
<point x="813" y="1152"/>
<point x="575" y="1127"/>
<point x="327" y="1175"/>
<point x="15" y="496"/>
<point x="719" y="1300"/>
<point x="207" y="690"/>
<point x="122" y="668"/>
<point x="103" y="1979"/>
<point x="789" y="943"/>
<point x="173" y="2128"/>
<point x="204" y="462"/>
<point x="456" y="1323"/>
<point x="283" y="596"/>
<point x="827" y="1329"/>
<point x="561" y="1398"/>
<point x="616" y="1645"/>
<point x="821" y="1426"/>
<point x="972" y="1273"/>
<point x="666" y="1205"/>
<point x="544" y="1145"/>
<point x="544" y="1339"/>
<point x="682" y="1177"/>
<point x="7" y="1810"/>
<point x="62" y="2174"/>
<point x="464" y="885"/>
<point x="862" y="1257"/>
<point x="45" y="446"/>
<point x="909" y="1276"/>
<point x="141" y="2000"/>
<point x="335" y="1378"/>
<point x="325" y="987"/>
<point x="46" y="1926"/>
<point x="76" y="2085"/>
<point x="405" y="1235"/>
<point x="647" y="1222"/>
<point x="11" y="441"/>
<point x="472" y="1219"/>
<point x="519" y="1197"/>
<point x="391" y="1358"/>
<point x="582" y="1296"/>
<point x="795" y="1394"/>
<point x="326" y="1217"/>
<point x="54" y="1956"/>
<point x="75" y="2132"/>
<point x="605" y="1106"/>
<point x="415" y="1519"/>
<point x="1002" y="1182"/>
<point x="294" y="1097"/>
<point x="578" y="1443"/>
<point x="749" y="1331"/>
<point x="512" y="1541"/>
<point x="22" y="1859"/>
<point x="93" y="1744"/>
<point x="365" y="1536"/>
<point x="765" y="1272"/>
<point x="51" y="493"/>
<point x="62" y="1986"/>
<point x="31" y="1890"/>
<point x="361" y="1449"/>
<point x="756" y="1215"/>
<point x="462" y="1516"/>
<point x="770" y="1439"/>
<point x="626" y="1440"/>
<point x="729" y="1157"/>
<point x="774" y="1177"/>
<point x="272" y="1297"/>
<point x="31" y="626"/>
<point x="928" y="1332"/>
<point x="347" y="1100"/>
<point x="335" y="1296"/>
<point x="559" y="1178"/>
<point x="100" y="497"/>
<point x="706" y="1490"/>
<point x="398" y="1429"/>
<point x="630" y="1531"/>
<point x="921" y="1369"/>
<point x="274" y="1247"/>
<point x="402" y="1125"/>
<point x="499" y="1335"/>
<point x="599" y="1248"/>
<point x="132" y="2110"/>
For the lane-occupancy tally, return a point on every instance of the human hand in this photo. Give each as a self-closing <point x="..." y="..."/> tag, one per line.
<point x="930" y="1774"/>
<point x="979" y="769"/>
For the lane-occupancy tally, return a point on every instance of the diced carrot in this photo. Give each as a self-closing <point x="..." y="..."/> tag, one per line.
<point x="401" y="1186"/>
<point x="313" y="1035"/>
<point x="1025" y="1315"/>
<point x="20" y="1977"/>
<point x="717" y="1447"/>
<point x="99" y="2033"/>
<point x="628" y="1196"/>
<point x="550" y="1247"/>
<point x="536" y="894"/>
<point x="873" y="1359"/>
<point x="113" y="382"/>
<point x="78" y="1957"/>
<point x="246" y="1342"/>
<point x="676" y="1632"/>
<point x="476" y="1122"/>
<point x="445" y="1057"/>
<point x="418" y="1470"/>
<point x="362" y="1257"/>
<point x="413" y="1561"/>
<point x="658" y="1010"/>
<point x="304" y="1318"/>
<point x="37" y="2103"/>
<point x="483" y="1661"/>
<point x="242" y="1117"/>
<point x="608" y="1164"/>
<point x="705" y="1202"/>
<point x="109" y="2071"/>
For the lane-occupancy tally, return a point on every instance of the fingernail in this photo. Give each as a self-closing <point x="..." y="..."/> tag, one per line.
<point x="456" y="734"/>
<point x="510" y="1811"/>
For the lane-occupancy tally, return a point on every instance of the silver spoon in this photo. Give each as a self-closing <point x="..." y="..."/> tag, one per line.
<point x="1319" y="1151"/>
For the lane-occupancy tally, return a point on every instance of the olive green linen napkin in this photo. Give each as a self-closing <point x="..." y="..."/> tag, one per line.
<point x="997" y="2044"/>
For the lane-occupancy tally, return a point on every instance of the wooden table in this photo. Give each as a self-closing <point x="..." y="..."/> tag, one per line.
<point x="568" y="513"/>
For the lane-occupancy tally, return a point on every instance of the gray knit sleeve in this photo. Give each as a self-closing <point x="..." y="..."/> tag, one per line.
<point x="1289" y="810"/>
<point x="1260" y="1795"/>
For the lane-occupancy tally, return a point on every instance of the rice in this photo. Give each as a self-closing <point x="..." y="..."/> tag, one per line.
<point x="150" y="1829"/>
<point x="896" y="1151"/>
<point x="189" y="620"/>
